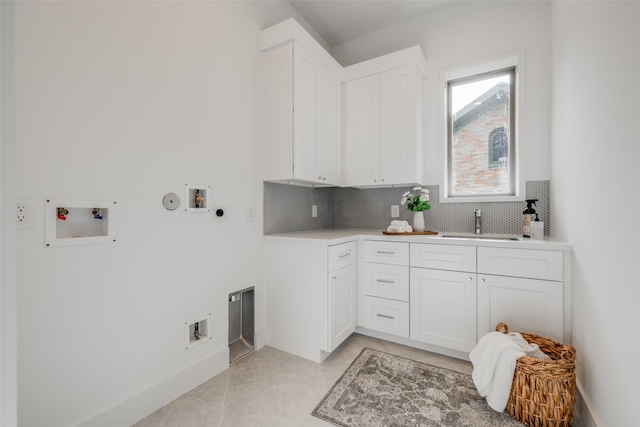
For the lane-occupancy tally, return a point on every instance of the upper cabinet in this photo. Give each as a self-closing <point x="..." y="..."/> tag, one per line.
<point x="303" y="111"/>
<point x="310" y="140"/>
<point x="383" y="141"/>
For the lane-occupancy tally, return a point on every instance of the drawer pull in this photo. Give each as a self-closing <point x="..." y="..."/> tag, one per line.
<point x="344" y="255"/>
<point x="385" y="281"/>
<point x="386" y="252"/>
<point x="386" y="316"/>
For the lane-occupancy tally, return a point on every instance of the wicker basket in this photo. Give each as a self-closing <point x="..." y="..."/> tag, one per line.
<point x="543" y="392"/>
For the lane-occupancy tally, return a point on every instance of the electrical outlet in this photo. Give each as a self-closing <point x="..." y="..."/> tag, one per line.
<point x="24" y="205"/>
<point x="314" y="211"/>
<point x="220" y="213"/>
<point x="395" y="211"/>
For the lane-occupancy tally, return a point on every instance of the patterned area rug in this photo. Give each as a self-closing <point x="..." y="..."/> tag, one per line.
<point x="380" y="389"/>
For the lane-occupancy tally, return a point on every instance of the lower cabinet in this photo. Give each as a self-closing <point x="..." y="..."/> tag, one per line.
<point x="443" y="308"/>
<point x="440" y="295"/>
<point x="342" y="310"/>
<point x="523" y="288"/>
<point x="310" y="296"/>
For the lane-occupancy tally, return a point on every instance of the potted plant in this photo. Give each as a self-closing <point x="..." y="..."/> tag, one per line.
<point x="417" y="201"/>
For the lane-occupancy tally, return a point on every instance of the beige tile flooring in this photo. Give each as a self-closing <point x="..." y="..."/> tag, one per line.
<point x="272" y="388"/>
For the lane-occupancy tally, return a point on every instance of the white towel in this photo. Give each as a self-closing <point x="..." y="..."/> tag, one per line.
<point x="399" y="227"/>
<point x="494" y="362"/>
<point x="531" y="350"/>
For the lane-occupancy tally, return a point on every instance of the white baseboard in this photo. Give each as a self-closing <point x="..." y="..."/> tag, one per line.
<point x="585" y="409"/>
<point x="137" y="406"/>
<point x="411" y="343"/>
<point x="260" y="337"/>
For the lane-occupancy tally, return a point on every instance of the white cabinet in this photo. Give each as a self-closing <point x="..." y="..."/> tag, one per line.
<point x="443" y="302"/>
<point x="303" y="115"/>
<point x="343" y="294"/>
<point x="310" y="296"/>
<point x="385" y="287"/>
<point x="524" y="289"/>
<point x="383" y="128"/>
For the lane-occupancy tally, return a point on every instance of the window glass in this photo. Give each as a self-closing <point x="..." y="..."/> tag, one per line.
<point x="480" y="139"/>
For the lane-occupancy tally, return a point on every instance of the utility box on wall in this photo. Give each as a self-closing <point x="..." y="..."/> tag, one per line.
<point x="241" y="323"/>
<point x="79" y="222"/>
<point x="197" y="198"/>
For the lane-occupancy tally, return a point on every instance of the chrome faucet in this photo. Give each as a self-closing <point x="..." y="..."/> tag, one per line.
<point x="478" y="221"/>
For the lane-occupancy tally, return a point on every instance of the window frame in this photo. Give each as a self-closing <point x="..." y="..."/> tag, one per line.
<point x="482" y="69"/>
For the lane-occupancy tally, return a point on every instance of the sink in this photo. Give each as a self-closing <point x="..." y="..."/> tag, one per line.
<point x="476" y="237"/>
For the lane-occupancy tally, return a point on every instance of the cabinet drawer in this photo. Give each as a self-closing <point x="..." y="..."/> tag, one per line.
<point x="534" y="264"/>
<point x="391" y="317"/>
<point x="443" y="257"/>
<point x="386" y="281"/>
<point x="341" y="255"/>
<point x="395" y="253"/>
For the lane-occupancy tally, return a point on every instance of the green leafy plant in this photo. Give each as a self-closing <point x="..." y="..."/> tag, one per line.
<point x="417" y="202"/>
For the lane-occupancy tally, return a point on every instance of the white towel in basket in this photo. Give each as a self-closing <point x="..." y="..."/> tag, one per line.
<point x="531" y="350"/>
<point x="494" y="362"/>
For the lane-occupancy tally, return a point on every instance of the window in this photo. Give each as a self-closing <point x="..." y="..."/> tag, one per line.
<point x="498" y="148"/>
<point x="482" y="135"/>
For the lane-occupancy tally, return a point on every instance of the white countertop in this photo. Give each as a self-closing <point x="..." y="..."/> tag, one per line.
<point x="337" y="236"/>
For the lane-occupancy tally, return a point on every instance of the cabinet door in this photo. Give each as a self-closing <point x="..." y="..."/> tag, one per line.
<point x="278" y="113"/>
<point x="329" y="128"/>
<point x="442" y="308"/>
<point x="342" y="314"/>
<point x="362" y="142"/>
<point x="400" y="127"/>
<point x="527" y="305"/>
<point x="305" y="75"/>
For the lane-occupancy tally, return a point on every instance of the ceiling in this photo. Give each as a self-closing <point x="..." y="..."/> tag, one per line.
<point x="338" y="21"/>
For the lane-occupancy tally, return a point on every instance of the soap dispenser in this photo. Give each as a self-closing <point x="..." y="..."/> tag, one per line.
<point x="537" y="228"/>
<point x="528" y="215"/>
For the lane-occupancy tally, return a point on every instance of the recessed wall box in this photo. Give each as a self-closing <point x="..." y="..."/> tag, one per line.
<point x="196" y="198"/>
<point x="196" y="331"/>
<point x="79" y="222"/>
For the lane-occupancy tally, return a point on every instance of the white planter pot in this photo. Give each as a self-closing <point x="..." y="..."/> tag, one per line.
<point x="418" y="221"/>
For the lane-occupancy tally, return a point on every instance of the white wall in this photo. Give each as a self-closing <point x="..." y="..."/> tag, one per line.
<point x="595" y="177"/>
<point x="8" y="272"/>
<point x="467" y="32"/>
<point x="127" y="101"/>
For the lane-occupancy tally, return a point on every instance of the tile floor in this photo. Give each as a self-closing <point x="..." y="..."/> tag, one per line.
<point x="272" y="388"/>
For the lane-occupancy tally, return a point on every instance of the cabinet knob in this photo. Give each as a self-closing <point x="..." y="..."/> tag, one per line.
<point x="482" y="280"/>
<point x="470" y="278"/>
<point x="375" y="180"/>
<point x="324" y="179"/>
<point x="319" y="177"/>
<point x="382" y="180"/>
<point x="334" y="278"/>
